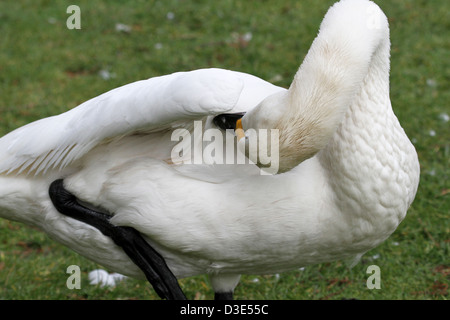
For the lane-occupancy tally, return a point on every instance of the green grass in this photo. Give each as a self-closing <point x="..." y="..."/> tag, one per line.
<point x="46" y="69"/>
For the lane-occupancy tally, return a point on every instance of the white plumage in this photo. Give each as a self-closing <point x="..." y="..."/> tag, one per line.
<point x="349" y="172"/>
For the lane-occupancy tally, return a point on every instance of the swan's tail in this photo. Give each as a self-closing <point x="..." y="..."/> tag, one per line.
<point x="13" y="193"/>
<point x="24" y="200"/>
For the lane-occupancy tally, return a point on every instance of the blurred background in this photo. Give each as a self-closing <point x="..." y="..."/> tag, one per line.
<point x="46" y="69"/>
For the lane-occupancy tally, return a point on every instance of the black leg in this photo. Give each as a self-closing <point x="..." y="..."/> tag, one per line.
<point x="223" y="296"/>
<point x="129" y="239"/>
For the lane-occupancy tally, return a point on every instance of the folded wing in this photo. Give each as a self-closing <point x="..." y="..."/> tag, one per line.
<point x="147" y="105"/>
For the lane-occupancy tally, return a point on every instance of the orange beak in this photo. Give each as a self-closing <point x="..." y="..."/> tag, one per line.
<point x="239" y="130"/>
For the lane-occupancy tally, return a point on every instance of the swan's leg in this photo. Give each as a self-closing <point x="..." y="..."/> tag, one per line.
<point x="223" y="285"/>
<point x="130" y="240"/>
<point x="223" y="295"/>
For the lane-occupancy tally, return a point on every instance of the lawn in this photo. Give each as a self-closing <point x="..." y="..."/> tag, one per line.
<point x="46" y="69"/>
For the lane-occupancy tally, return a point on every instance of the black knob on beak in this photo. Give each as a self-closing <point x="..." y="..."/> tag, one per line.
<point x="227" y="120"/>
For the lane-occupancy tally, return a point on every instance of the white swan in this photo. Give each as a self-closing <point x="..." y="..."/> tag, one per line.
<point x="349" y="172"/>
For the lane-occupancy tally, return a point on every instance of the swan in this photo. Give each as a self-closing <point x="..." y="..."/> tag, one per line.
<point x="346" y="171"/>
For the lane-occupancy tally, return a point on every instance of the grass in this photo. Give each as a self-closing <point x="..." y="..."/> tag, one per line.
<point x="46" y="69"/>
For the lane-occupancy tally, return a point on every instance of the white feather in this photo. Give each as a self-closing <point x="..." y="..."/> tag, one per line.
<point x="147" y="105"/>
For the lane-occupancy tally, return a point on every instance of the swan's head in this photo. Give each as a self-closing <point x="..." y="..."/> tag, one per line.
<point x="284" y="136"/>
<point x="258" y="134"/>
<point x="281" y="131"/>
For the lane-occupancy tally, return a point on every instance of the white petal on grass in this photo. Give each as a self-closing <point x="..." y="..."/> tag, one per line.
<point x="104" y="279"/>
<point x="170" y="16"/>
<point x="106" y="75"/>
<point x="444" y="117"/>
<point x="247" y="36"/>
<point x="276" y="78"/>
<point x="120" y="27"/>
<point x="431" y="83"/>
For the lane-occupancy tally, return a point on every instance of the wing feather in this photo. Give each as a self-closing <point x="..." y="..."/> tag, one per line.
<point x="143" y="105"/>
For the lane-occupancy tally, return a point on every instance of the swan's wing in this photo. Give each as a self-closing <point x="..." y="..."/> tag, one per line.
<point x="144" y="105"/>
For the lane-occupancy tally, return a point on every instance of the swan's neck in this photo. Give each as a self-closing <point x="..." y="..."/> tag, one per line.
<point x="371" y="165"/>
<point x="330" y="77"/>
<point x="340" y="107"/>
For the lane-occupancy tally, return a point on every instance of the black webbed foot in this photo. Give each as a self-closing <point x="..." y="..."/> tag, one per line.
<point x="129" y="239"/>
